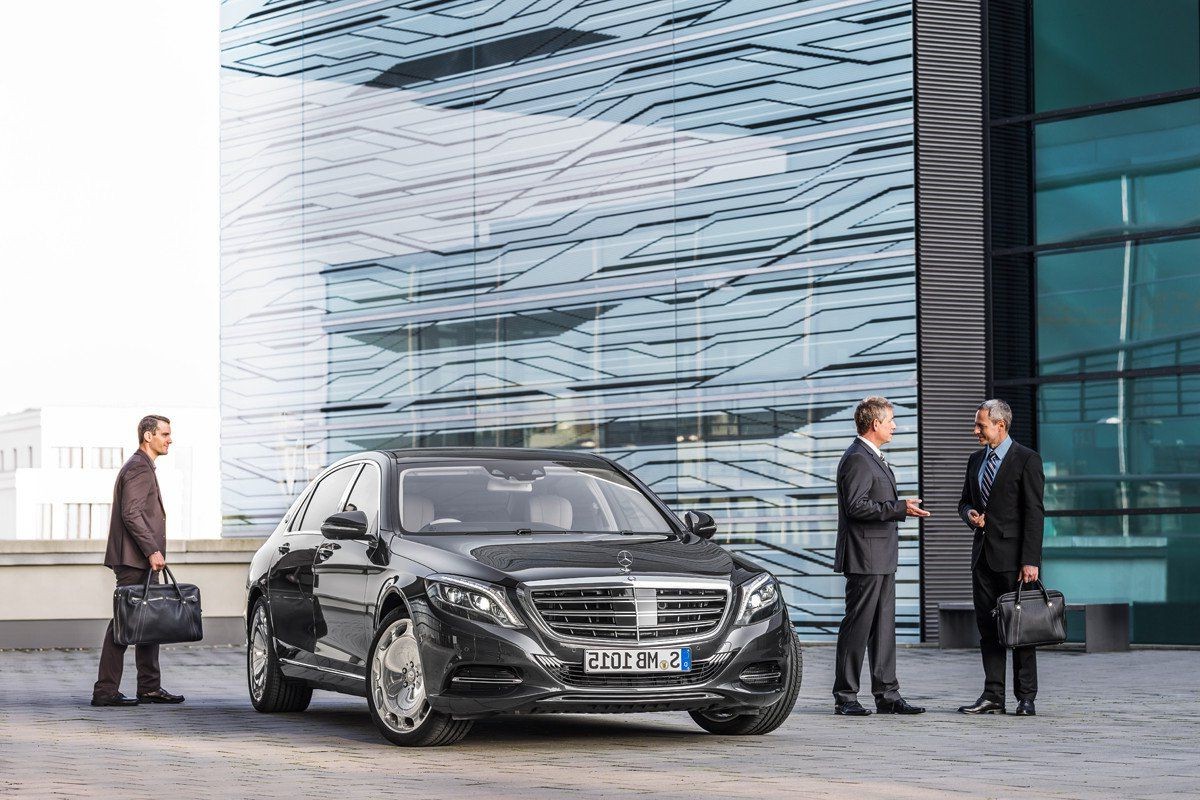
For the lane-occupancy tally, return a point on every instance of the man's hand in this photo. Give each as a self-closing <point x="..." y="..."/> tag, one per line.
<point x="1028" y="574"/>
<point x="913" y="508"/>
<point x="157" y="562"/>
<point x="976" y="518"/>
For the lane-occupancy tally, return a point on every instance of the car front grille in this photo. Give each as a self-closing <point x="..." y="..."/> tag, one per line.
<point x="574" y="674"/>
<point x="630" y="614"/>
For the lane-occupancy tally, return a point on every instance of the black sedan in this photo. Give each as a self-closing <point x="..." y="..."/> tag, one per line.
<point x="445" y="585"/>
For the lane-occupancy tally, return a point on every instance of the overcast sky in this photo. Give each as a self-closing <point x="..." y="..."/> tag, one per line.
<point x="109" y="203"/>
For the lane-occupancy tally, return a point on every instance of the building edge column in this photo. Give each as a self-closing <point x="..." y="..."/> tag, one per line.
<point x="952" y="349"/>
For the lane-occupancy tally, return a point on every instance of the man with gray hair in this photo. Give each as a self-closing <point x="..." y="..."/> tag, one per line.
<point x="1002" y="504"/>
<point x="868" y="552"/>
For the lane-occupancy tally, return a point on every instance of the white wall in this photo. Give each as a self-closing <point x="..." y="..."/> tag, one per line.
<point x="188" y="476"/>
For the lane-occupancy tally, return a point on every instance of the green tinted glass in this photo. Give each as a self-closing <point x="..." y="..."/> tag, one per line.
<point x="1124" y="307"/>
<point x="1121" y="444"/>
<point x="1118" y="173"/>
<point x="1131" y="445"/>
<point x="1091" y="51"/>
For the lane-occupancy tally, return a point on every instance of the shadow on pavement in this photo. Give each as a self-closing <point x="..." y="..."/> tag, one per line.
<point x="327" y="723"/>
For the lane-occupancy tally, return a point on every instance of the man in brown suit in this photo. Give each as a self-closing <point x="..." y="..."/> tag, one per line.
<point x="137" y="541"/>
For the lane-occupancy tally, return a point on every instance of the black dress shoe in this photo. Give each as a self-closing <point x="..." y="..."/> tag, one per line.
<point x="900" y="706"/>
<point x="159" y="696"/>
<point x="117" y="699"/>
<point x="851" y="709"/>
<point x="1025" y="709"/>
<point x="983" y="706"/>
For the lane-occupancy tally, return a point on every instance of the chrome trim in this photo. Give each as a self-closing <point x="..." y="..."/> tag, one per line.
<point x="489" y="681"/>
<point x="524" y="594"/>
<point x="625" y="581"/>
<point x="763" y="679"/>
<point x="330" y="670"/>
<point x="638" y="698"/>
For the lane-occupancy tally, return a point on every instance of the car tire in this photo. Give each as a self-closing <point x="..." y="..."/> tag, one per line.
<point x="270" y="690"/>
<point x="396" y="693"/>
<point x="771" y="717"/>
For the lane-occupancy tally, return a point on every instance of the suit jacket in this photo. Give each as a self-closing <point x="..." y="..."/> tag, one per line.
<point x="868" y="539"/>
<point x="1012" y="536"/>
<point x="138" y="525"/>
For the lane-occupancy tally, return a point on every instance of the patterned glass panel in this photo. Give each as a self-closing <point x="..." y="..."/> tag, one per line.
<point x="677" y="233"/>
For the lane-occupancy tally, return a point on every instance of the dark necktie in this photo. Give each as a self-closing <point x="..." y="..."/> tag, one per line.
<point x="989" y="475"/>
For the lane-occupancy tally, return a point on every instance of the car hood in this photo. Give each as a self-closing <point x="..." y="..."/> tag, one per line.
<point x="555" y="556"/>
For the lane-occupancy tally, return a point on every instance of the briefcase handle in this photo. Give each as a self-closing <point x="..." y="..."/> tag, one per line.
<point x="1020" y="586"/>
<point x="171" y="575"/>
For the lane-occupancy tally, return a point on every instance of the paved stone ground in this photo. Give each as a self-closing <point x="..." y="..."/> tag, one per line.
<point x="1121" y="725"/>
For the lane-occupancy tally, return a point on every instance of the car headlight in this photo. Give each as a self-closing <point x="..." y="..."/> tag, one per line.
<point x="472" y="599"/>
<point x="760" y="595"/>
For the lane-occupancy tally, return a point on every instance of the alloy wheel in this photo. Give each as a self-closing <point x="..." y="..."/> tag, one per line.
<point x="257" y="663"/>
<point x="397" y="679"/>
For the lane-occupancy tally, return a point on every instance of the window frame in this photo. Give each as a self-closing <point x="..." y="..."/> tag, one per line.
<point x="1009" y="110"/>
<point x="372" y="529"/>
<point x="294" y="527"/>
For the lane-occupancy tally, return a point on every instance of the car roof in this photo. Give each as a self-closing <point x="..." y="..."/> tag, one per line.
<point x="497" y="453"/>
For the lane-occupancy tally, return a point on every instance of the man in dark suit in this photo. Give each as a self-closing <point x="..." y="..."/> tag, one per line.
<point x="1002" y="504"/>
<point x="137" y="542"/>
<point x="868" y="550"/>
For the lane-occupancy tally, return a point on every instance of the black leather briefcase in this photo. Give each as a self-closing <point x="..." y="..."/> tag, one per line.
<point x="1032" y="618"/>
<point x="157" y="613"/>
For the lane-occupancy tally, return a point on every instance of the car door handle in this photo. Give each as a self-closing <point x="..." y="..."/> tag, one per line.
<point x="284" y="549"/>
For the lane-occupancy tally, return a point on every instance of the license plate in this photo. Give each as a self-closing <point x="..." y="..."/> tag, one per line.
<point x="677" y="660"/>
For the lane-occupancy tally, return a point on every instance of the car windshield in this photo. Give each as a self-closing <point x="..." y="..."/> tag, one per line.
<point x="493" y="496"/>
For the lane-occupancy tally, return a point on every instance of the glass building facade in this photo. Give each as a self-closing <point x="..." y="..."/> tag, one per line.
<point x="679" y="234"/>
<point x="1094" y="270"/>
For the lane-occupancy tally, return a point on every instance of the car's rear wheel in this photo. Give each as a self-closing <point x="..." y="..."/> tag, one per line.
<point x="396" y="692"/>
<point x="771" y="717"/>
<point x="270" y="689"/>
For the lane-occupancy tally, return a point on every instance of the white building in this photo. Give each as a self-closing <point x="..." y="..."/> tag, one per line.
<point x="58" y="465"/>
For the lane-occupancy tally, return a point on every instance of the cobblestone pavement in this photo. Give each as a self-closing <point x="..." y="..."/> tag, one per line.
<point x="1121" y="725"/>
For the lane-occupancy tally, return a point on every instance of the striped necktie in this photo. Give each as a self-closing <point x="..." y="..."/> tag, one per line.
<point x="989" y="475"/>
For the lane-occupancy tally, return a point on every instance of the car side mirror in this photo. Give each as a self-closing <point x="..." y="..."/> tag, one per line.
<point x="345" y="525"/>
<point x="700" y="523"/>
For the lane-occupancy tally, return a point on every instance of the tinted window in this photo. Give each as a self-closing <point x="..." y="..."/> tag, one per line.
<point x="1130" y="306"/>
<point x="1091" y="51"/>
<point x="364" y="496"/>
<point x="532" y="495"/>
<point x="1118" y="173"/>
<point x="325" y="498"/>
<point x="1119" y="444"/>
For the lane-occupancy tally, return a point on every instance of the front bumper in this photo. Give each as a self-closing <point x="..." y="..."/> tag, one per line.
<point x="477" y="670"/>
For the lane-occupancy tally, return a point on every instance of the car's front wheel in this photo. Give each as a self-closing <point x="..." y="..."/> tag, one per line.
<point x="270" y="689"/>
<point x="396" y="692"/>
<point x="771" y="717"/>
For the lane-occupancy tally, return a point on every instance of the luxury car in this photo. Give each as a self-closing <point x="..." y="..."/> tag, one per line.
<point x="445" y="585"/>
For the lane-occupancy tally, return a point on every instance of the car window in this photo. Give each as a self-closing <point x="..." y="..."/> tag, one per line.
<point x="502" y="496"/>
<point x="326" y="496"/>
<point x="364" y="496"/>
